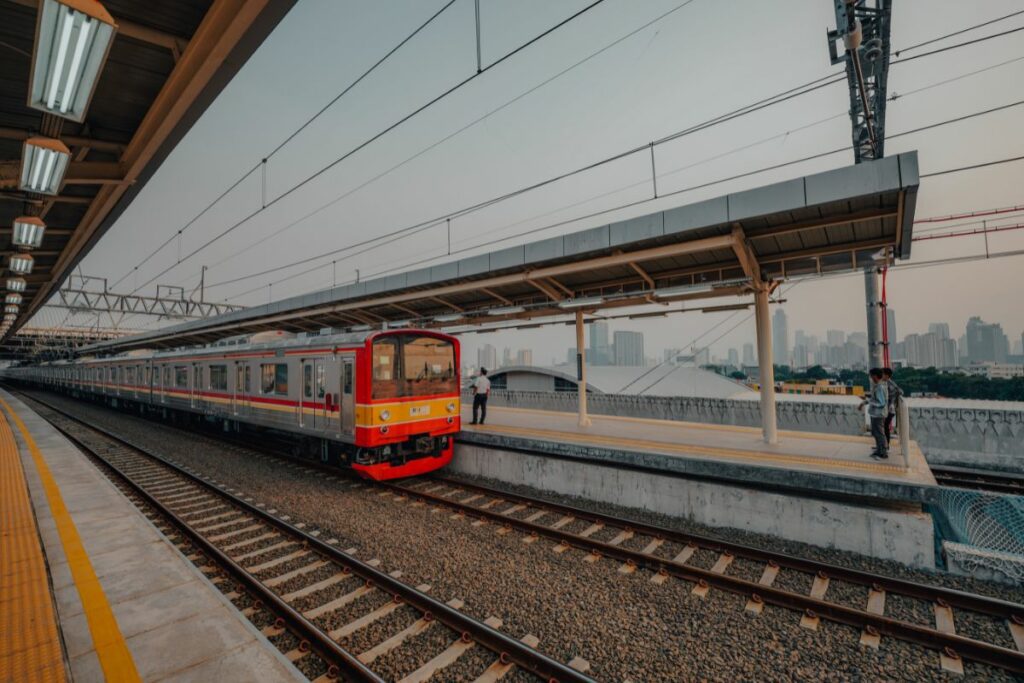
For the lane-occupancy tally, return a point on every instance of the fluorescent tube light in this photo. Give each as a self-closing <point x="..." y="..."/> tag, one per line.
<point x="28" y="232"/>
<point x="684" y="291"/>
<point x="582" y="302"/>
<point x="16" y="284"/>
<point x="20" y="264"/>
<point x="73" y="38"/>
<point x="43" y="164"/>
<point x="506" y="310"/>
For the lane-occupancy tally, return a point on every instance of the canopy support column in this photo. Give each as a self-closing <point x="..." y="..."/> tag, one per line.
<point x="769" y="424"/>
<point x="581" y="371"/>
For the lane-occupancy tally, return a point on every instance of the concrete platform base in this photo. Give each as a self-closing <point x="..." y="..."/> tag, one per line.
<point x="177" y="626"/>
<point x="900" y="533"/>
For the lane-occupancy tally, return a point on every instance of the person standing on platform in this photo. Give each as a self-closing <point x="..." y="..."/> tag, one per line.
<point x="877" y="403"/>
<point x="481" y="390"/>
<point x="895" y="394"/>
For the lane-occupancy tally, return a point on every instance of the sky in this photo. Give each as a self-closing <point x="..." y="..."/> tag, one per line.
<point x="699" y="61"/>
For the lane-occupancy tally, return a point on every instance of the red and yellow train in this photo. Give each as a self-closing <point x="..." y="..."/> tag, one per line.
<point x="384" y="403"/>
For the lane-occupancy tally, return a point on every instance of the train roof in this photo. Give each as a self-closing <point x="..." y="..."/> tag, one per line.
<point x="244" y="343"/>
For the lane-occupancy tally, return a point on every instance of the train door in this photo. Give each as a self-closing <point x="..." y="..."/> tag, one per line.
<point x="243" y="387"/>
<point x="314" y="397"/>
<point x="347" y="401"/>
<point x="197" y="386"/>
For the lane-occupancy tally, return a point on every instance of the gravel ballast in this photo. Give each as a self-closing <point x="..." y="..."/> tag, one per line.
<point x="626" y="626"/>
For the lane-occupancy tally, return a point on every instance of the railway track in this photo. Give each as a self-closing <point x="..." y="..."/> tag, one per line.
<point x="983" y="480"/>
<point x="265" y="555"/>
<point x="668" y="553"/>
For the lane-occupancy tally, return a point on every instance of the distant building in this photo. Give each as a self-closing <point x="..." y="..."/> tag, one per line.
<point x="506" y="357"/>
<point x="570" y="357"/>
<point x="524" y="357"/>
<point x="857" y="349"/>
<point x="487" y="357"/>
<point x="734" y="358"/>
<point x="996" y="370"/>
<point x="931" y="350"/>
<point x="890" y="327"/>
<point x="836" y="337"/>
<point x="748" y="355"/>
<point x="986" y="342"/>
<point x="629" y="349"/>
<point x="780" y="338"/>
<point x="941" y="330"/>
<point x="599" y="351"/>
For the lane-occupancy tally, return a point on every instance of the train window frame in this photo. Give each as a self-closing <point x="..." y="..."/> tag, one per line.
<point x="181" y="377"/>
<point x="320" y="379"/>
<point x="218" y="377"/>
<point x="307" y="380"/>
<point x="271" y="380"/>
<point x="434" y="379"/>
<point x="389" y="386"/>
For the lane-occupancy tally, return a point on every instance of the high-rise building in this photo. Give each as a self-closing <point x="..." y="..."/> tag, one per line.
<point x="748" y="354"/>
<point x="506" y="357"/>
<point x="857" y="349"/>
<point x="734" y="358"/>
<point x="570" y="357"/>
<point x="941" y="330"/>
<point x="599" y="352"/>
<point x="930" y="350"/>
<point x="836" y="337"/>
<point x="780" y="338"/>
<point x="986" y="342"/>
<point x="487" y="357"/>
<point x="890" y="327"/>
<point x="524" y="357"/>
<point x="629" y="348"/>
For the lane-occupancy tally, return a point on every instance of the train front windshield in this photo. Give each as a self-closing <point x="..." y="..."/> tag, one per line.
<point x="406" y="366"/>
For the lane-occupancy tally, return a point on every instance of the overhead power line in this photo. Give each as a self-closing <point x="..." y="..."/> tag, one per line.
<point x="377" y="136"/>
<point x="783" y="96"/>
<point x="811" y="86"/>
<point x="426" y="225"/>
<point x="288" y="139"/>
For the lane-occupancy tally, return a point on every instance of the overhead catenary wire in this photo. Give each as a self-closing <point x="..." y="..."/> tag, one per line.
<point x="263" y="162"/>
<point x="817" y="84"/>
<point x="427" y="224"/>
<point x="620" y="207"/>
<point x="377" y="136"/>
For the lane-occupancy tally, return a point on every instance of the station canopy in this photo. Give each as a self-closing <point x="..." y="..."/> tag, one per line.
<point x="830" y="222"/>
<point x="167" y="61"/>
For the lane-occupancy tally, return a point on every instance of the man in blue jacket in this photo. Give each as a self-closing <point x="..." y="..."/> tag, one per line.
<point x="877" y="402"/>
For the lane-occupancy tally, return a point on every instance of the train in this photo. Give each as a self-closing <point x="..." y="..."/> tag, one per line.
<point x="383" y="403"/>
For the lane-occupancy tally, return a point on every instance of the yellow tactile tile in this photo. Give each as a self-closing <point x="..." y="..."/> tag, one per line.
<point x="29" y="640"/>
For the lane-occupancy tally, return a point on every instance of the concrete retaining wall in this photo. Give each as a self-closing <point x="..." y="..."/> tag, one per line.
<point x="902" y="536"/>
<point x="969" y="436"/>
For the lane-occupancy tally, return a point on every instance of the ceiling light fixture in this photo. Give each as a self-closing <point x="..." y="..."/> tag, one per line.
<point x="73" y="38"/>
<point x="16" y="284"/>
<point x="43" y="164"/>
<point x="20" y="264"/>
<point x="582" y="302"/>
<point x="28" y="232"/>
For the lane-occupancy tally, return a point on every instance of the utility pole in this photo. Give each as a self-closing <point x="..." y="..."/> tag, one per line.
<point x="863" y="26"/>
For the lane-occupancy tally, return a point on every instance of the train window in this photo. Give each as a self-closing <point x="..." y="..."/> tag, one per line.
<point x="428" y="366"/>
<point x="307" y="381"/>
<point x="385" y="365"/>
<point x="219" y="377"/>
<point x="167" y="376"/>
<point x="181" y="376"/>
<point x="129" y="376"/>
<point x="346" y="381"/>
<point x="274" y="379"/>
<point x="321" y="381"/>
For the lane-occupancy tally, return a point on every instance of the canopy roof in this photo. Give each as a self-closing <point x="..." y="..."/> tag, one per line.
<point x="829" y="222"/>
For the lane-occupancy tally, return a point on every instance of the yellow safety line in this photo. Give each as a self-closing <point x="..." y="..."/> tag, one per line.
<point x="681" y="424"/>
<point x="687" y="449"/>
<point x="30" y="648"/>
<point x="111" y="649"/>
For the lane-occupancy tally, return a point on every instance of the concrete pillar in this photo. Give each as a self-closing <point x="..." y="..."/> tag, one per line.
<point x="769" y="426"/>
<point x="873" y="299"/>
<point x="581" y="371"/>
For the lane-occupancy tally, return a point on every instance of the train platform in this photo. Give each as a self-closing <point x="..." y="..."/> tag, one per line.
<point x="821" y="489"/>
<point x="825" y="462"/>
<point x="91" y="590"/>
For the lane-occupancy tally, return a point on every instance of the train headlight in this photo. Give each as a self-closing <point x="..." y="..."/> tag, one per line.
<point x="451" y="407"/>
<point x="385" y="415"/>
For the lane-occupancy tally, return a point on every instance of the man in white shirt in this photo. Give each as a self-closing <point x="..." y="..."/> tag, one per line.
<point x="481" y="390"/>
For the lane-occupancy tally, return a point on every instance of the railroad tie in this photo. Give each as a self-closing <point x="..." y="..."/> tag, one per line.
<point x="810" y="620"/>
<point x="755" y="605"/>
<point x="417" y="627"/>
<point x="498" y="669"/>
<point x="446" y="658"/>
<point x="870" y="637"/>
<point x="723" y="562"/>
<point x="367" y="619"/>
<point x="1016" y="626"/>
<point x="288" y="576"/>
<point x="948" y="660"/>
